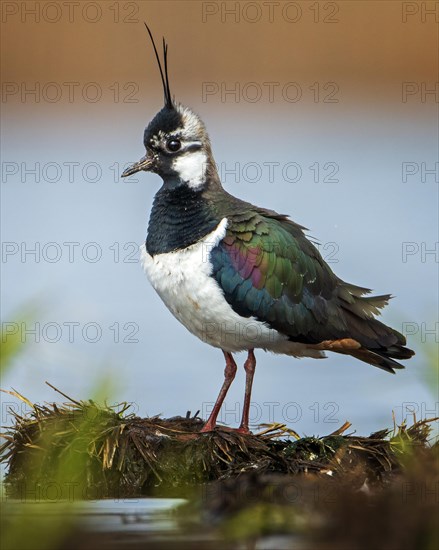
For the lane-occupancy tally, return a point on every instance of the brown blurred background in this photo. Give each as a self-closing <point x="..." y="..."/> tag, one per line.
<point x="368" y="45"/>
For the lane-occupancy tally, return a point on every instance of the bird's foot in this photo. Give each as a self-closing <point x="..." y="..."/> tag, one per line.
<point x="241" y="430"/>
<point x="208" y="427"/>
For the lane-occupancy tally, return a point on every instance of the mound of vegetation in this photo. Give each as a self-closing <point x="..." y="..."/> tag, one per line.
<point x="337" y="491"/>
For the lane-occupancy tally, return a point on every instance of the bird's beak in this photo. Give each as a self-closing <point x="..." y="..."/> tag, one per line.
<point x="144" y="164"/>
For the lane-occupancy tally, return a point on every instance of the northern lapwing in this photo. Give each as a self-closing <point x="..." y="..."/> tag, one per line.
<point x="241" y="277"/>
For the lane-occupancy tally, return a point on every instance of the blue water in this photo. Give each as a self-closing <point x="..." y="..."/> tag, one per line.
<point x="127" y="521"/>
<point x="102" y="330"/>
<point x="121" y="516"/>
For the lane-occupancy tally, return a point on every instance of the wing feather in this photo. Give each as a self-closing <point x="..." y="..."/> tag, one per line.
<point x="269" y="270"/>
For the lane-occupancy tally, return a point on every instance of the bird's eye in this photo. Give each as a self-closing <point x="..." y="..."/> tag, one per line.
<point x="173" y="144"/>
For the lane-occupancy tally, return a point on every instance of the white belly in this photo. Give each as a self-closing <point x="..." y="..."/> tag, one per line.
<point x="184" y="283"/>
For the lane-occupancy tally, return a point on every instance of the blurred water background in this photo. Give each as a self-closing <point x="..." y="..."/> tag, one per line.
<point x="344" y="140"/>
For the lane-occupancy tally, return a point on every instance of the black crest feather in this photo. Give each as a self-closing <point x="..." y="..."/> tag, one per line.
<point x="163" y="70"/>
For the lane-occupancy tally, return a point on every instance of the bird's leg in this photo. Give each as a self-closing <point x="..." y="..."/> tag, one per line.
<point x="229" y="375"/>
<point x="249" y="367"/>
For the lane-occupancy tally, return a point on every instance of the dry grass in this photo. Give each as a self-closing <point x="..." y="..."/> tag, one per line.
<point x="110" y="452"/>
<point x="337" y="492"/>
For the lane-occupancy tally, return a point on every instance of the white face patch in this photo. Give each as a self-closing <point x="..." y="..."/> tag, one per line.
<point x="191" y="167"/>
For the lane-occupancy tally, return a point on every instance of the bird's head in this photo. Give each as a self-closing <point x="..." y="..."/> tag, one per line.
<point x="176" y="142"/>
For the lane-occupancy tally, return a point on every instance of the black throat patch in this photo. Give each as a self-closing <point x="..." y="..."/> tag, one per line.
<point x="180" y="216"/>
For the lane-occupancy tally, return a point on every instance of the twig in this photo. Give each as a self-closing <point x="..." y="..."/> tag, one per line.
<point x="64" y="394"/>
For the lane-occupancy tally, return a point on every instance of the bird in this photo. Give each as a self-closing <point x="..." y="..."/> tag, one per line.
<point x="241" y="277"/>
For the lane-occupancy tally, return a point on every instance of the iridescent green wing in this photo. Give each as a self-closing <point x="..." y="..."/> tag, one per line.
<point x="269" y="270"/>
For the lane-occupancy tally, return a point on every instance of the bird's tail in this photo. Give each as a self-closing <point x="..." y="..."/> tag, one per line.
<point x="380" y="344"/>
<point x="383" y="358"/>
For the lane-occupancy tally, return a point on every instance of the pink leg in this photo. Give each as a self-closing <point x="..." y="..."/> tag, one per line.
<point x="249" y="366"/>
<point x="229" y="375"/>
